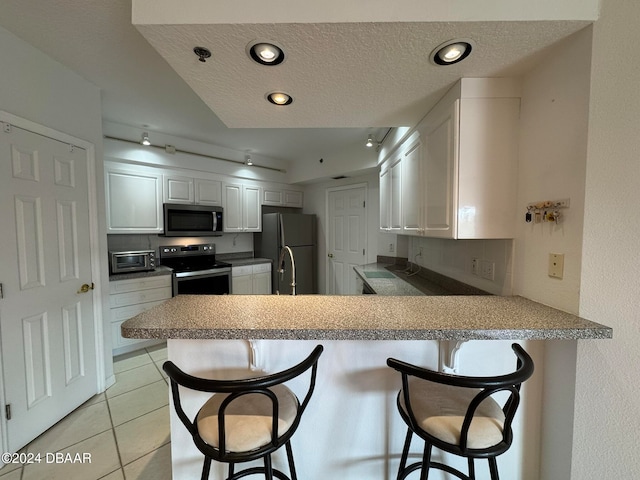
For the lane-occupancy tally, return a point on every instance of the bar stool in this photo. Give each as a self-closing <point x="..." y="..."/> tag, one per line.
<point x="245" y="419"/>
<point x="458" y="414"/>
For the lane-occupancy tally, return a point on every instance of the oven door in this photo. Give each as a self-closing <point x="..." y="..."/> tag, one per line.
<point x="211" y="282"/>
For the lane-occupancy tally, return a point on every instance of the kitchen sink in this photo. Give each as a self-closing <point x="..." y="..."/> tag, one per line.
<point x="379" y="275"/>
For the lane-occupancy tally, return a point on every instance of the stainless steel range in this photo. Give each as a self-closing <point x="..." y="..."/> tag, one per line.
<point x="196" y="270"/>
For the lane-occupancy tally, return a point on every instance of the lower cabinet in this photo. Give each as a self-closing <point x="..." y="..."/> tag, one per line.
<point x="128" y="298"/>
<point x="251" y="279"/>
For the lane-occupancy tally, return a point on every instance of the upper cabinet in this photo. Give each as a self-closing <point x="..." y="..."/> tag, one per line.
<point x="242" y="212"/>
<point x="279" y="197"/>
<point x="391" y="195"/>
<point x="201" y="191"/>
<point x="459" y="166"/>
<point x="133" y="199"/>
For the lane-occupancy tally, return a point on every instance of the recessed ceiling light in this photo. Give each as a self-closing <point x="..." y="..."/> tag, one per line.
<point x="280" y="98"/>
<point x="265" y="53"/>
<point x="451" y="52"/>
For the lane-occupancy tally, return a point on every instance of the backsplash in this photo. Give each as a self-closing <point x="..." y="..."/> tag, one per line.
<point x="454" y="259"/>
<point x="227" y="243"/>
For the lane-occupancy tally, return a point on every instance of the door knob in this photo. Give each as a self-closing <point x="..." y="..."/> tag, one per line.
<point x="330" y="255"/>
<point x="86" y="287"/>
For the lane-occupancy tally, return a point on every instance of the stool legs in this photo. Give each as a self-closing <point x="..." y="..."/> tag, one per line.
<point x="472" y="469"/>
<point x="292" y="467"/>
<point x="493" y="468"/>
<point x="205" y="468"/>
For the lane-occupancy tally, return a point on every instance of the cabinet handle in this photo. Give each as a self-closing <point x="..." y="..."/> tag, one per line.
<point x="330" y="255"/>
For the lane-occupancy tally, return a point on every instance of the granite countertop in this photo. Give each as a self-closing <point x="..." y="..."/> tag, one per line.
<point x="390" y="279"/>
<point x="361" y="317"/>
<point x="240" y="262"/>
<point x="160" y="270"/>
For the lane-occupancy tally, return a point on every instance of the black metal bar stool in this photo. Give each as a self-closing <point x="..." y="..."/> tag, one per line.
<point x="245" y="419"/>
<point x="458" y="414"/>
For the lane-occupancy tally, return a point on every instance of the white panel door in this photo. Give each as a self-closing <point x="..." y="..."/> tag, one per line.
<point x="347" y="237"/>
<point x="47" y="326"/>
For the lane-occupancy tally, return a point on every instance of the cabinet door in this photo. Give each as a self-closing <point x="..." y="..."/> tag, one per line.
<point x="262" y="283"/>
<point x="292" y="198"/>
<point x="251" y="211"/>
<point x="208" y="192"/>
<point x="133" y="201"/>
<point x="395" y="216"/>
<point x="178" y="189"/>
<point x="440" y="136"/>
<point x="272" y="196"/>
<point x="385" y="191"/>
<point x="232" y="208"/>
<point x="412" y="188"/>
<point x="242" y="285"/>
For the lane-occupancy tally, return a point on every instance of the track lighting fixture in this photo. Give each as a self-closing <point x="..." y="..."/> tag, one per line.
<point x="145" y="139"/>
<point x="369" y="141"/>
<point x="248" y="161"/>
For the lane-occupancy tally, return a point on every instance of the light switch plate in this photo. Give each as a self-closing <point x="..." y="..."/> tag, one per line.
<point x="556" y="265"/>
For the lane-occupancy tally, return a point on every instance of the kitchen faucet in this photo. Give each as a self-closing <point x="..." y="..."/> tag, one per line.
<point x="286" y="249"/>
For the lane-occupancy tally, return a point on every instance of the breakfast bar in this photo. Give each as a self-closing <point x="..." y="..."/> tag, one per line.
<point x="351" y="429"/>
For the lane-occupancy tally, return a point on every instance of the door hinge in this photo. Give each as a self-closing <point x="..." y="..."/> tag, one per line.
<point x="1" y="292"/>
<point x="364" y="204"/>
<point x="363" y="251"/>
<point x="7" y="411"/>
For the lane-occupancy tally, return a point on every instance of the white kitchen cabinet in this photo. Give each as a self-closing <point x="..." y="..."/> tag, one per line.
<point x="178" y="189"/>
<point x="189" y="190"/>
<point x="208" y="192"/>
<point x="251" y="279"/>
<point x="458" y="175"/>
<point x="391" y="190"/>
<point x="130" y="297"/>
<point x="278" y="197"/>
<point x="242" y="212"/>
<point x="470" y="161"/>
<point x="412" y="191"/>
<point x="133" y="199"/>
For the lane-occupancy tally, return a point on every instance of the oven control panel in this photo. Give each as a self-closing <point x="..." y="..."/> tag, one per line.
<point x="187" y="250"/>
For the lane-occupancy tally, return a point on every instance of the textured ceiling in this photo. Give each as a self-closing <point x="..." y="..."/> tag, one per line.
<point x="347" y="79"/>
<point x="342" y="75"/>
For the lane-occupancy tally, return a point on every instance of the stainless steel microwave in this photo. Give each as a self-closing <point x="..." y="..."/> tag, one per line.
<point x="182" y="220"/>
<point x="132" y="261"/>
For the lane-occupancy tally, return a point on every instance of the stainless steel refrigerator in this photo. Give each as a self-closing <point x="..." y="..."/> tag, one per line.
<point x="298" y="232"/>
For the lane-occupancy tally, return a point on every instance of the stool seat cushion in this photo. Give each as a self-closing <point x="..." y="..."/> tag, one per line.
<point x="248" y="419"/>
<point x="440" y="410"/>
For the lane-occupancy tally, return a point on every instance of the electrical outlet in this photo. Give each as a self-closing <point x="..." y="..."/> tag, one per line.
<point x="474" y="266"/>
<point x="487" y="269"/>
<point x="556" y="265"/>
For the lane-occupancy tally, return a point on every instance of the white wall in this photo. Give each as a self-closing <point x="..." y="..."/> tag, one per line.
<point x="553" y="145"/>
<point x="552" y="165"/>
<point x="608" y="372"/>
<point x="37" y="88"/>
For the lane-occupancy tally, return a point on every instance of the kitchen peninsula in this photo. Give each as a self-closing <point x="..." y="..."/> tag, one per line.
<point x="351" y="429"/>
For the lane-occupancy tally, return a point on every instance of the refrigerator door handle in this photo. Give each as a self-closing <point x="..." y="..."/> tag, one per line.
<point x="282" y="242"/>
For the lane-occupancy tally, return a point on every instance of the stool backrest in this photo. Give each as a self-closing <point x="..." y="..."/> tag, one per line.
<point x="487" y="387"/>
<point x="235" y="388"/>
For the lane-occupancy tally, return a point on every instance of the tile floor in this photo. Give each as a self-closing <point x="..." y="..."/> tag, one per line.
<point x="125" y="429"/>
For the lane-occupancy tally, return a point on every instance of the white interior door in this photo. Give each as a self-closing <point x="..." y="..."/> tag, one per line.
<point x="47" y="325"/>
<point x="347" y="237"/>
